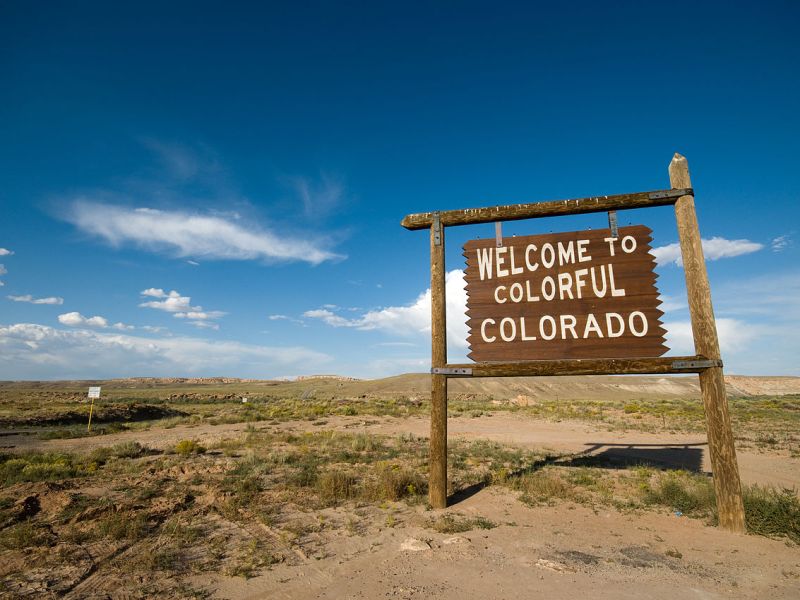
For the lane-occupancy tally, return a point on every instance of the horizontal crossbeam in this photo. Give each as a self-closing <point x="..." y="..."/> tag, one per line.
<point x="534" y="210"/>
<point x="593" y="366"/>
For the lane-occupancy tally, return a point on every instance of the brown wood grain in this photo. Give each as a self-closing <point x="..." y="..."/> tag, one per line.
<point x="437" y="478"/>
<point x="632" y="272"/>
<point x="722" y="451"/>
<point x="533" y="210"/>
<point x="591" y="366"/>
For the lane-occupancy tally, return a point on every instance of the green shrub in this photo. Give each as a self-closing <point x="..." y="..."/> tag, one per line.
<point x="186" y="447"/>
<point x="682" y="491"/>
<point x="772" y="512"/>
<point x="40" y="467"/>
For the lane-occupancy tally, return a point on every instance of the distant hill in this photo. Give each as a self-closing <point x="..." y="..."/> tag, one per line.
<point x="418" y="385"/>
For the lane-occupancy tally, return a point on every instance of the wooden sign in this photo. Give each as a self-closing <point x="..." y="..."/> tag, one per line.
<point x="573" y="295"/>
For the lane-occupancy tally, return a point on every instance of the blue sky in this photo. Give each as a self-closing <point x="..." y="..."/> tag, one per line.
<point x="216" y="188"/>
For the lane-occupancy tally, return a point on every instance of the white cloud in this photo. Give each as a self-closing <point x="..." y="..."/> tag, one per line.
<point x="76" y="319"/>
<point x="32" y="351"/>
<point x="181" y="308"/>
<point x="153" y="329"/>
<point x="5" y="252"/>
<point x="713" y="249"/>
<point x="411" y="319"/>
<point x="187" y="234"/>
<point x="172" y="302"/>
<point x="734" y="336"/>
<point x="205" y="325"/>
<point x="780" y="243"/>
<point x="3" y="270"/>
<point x="123" y="327"/>
<point x="30" y="299"/>
<point x="154" y="293"/>
<point x="287" y="318"/>
<point x="200" y="315"/>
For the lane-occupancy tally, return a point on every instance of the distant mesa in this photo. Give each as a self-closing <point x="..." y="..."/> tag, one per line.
<point x="334" y="377"/>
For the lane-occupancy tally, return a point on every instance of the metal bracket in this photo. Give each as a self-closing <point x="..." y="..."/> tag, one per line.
<point x="612" y="223"/>
<point x="669" y="193"/>
<point x="498" y="233"/>
<point x="437" y="229"/>
<point x="696" y="364"/>
<point x="450" y="371"/>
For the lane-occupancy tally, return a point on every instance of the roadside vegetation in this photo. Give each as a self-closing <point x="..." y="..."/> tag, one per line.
<point x="150" y="519"/>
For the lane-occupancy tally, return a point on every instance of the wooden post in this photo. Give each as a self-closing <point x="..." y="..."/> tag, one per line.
<point x="704" y="329"/>
<point x="437" y="480"/>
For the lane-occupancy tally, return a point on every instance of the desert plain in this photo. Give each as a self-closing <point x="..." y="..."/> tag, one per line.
<point x="317" y="488"/>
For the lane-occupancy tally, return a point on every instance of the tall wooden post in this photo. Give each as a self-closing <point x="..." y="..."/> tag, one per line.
<point x="437" y="481"/>
<point x="712" y="385"/>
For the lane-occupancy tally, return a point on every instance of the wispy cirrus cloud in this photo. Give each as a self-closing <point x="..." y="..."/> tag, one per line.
<point x="318" y="197"/>
<point x="780" y="243"/>
<point x="713" y="249"/>
<point x="187" y="234"/>
<point x="31" y="300"/>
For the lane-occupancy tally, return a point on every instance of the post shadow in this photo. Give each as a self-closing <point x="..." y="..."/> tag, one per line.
<point x="680" y="457"/>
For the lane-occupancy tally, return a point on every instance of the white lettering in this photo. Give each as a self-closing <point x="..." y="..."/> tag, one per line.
<point x="499" y="260"/>
<point x="565" y="285"/>
<point x="571" y="326"/>
<point x="552" y="321"/>
<point x="582" y="256"/>
<point x="638" y="332"/>
<point x="528" y="250"/>
<point x="516" y="297"/>
<point x="485" y="262"/>
<point x="483" y="331"/>
<point x="514" y="269"/>
<point x="614" y="290"/>
<point x="610" y="327"/>
<point x="548" y="249"/>
<point x="509" y="321"/>
<point x="628" y="241"/>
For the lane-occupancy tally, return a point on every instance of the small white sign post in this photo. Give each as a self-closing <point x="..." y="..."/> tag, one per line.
<point x="94" y="392"/>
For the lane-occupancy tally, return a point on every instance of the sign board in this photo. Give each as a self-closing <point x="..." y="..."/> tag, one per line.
<point x="94" y="392"/>
<point x="581" y="294"/>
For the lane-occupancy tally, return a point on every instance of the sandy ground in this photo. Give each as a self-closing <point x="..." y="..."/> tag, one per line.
<point x="553" y="553"/>
<point x="682" y="450"/>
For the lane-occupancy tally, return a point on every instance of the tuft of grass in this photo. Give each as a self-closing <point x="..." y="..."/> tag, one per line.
<point x="26" y="535"/>
<point x="452" y="523"/>
<point x="187" y="447"/>
<point x="336" y="486"/>
<point x="394" y="482"/>
<point x="123" y="525"/>
<point x="546" y="486"/>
